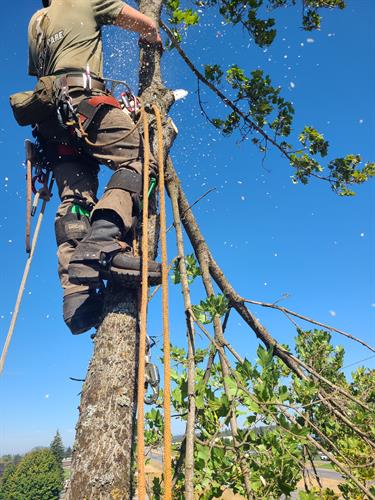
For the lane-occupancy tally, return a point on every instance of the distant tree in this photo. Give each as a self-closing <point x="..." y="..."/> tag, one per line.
<point x="37" y="476"/>
<point x="6" y="481"/>
<point x="16" y="459"/>
<point x="68" y="452"/>
<point x="57" y="448"/>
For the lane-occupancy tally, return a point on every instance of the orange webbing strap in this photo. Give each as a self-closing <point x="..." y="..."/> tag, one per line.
<point x="143" y="319"/>
<point x="167" y="459"/>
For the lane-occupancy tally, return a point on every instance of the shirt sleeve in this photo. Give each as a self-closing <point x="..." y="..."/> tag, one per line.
<point x="107" y="11"/>
<point x="32" y="66"/>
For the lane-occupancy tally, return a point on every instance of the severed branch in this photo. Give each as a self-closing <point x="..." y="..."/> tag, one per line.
<point x="318" y="445"/>
<point x="309" y="320"/>
<point x="190" y="423"/>
<point x="210" y="268"/>
<point x="220" y="342"/>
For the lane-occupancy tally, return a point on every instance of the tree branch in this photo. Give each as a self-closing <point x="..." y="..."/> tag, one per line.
<point x="309" y="320"/>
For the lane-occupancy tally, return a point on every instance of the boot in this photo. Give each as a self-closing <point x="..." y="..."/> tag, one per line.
<point x="102" y="255"/>
<point x="83" y="310"/>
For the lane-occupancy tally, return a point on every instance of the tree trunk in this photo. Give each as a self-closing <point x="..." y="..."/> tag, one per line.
<point x="103" y="450"/>
<point x="105" y="434"/>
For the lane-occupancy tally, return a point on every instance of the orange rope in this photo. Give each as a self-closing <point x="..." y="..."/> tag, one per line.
<point x="143" y="319"/>
<point x="167" y="459"/>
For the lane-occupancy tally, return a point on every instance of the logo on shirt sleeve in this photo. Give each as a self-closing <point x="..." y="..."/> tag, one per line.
<point x="56" y="37"/>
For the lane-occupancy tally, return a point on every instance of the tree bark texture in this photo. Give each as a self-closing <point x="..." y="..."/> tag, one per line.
<point x="103" y="450"/>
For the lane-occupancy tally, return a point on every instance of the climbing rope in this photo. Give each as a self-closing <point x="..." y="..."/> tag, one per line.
<point x="143" y="319"/>
<point x="167" y="462"/>
<point x="24" y="278"/>
<point x="167" y="459"/>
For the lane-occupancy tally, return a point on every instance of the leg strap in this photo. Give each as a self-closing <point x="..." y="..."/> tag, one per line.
<point x="71" y="227"/>
<point x="88" y="108"/>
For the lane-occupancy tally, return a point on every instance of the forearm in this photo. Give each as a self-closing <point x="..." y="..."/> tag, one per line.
<point x="133" y="20"/>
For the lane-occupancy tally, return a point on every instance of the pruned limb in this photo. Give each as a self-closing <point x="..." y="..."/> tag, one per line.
<point x="190" y="423"/>
<point x="199" y="244"/>
<point x="310" y="320"/>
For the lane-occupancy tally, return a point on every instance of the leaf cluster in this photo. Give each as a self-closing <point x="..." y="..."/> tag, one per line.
<point x="207" y="309"/>
<point x="192" y="270"/>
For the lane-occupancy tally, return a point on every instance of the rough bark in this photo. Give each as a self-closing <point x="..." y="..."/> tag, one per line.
<point x="103" y="450"/>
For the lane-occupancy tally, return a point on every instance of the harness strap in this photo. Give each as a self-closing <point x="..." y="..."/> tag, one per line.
<point x="88" y="108"/>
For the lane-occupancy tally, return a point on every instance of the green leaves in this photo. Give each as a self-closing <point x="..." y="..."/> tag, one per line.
<point x="311" y="17"/>
<point x="207" y="309"/>
<point x="346" y="171"/>
<point x="257" y="107"/>
<point x="342" y="172"/>
<point x="180" y="19"/>
<point x="177" y="16"/>
<point x="314" y="141"/>
<point x="38" y="475"/>
<point x="213" y="73"/>
<point x="192" y="270"/>
<point x="261" y="102"/>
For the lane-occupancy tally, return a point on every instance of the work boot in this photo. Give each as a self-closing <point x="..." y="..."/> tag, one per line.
<point x="83" y="310"/>
<point x="102" y="255"/>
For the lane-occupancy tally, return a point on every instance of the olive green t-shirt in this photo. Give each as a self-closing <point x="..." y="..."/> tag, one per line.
<point x="67" y="36"/>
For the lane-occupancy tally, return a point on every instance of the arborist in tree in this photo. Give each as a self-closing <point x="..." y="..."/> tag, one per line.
<point x="79" y="126"/>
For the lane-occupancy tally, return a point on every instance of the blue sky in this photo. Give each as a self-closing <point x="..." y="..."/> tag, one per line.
<point x="271" y="237"/>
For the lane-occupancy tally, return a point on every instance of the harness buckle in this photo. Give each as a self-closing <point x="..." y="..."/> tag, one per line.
<point x="87" y="79"/>
<point x="152" y="376"/>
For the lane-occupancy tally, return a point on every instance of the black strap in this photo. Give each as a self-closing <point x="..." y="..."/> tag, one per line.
<point x="127" y="180"/>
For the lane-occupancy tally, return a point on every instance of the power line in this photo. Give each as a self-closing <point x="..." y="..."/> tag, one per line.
<point x="357" y="362"/>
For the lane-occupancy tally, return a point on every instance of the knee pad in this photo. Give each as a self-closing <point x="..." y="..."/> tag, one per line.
<point x="72" y="226"/>
<point x="127" y="180"/>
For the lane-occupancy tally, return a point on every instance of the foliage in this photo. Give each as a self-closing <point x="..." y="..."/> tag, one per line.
<point x="263" y="395"/>
<point x="258" y="109"/>
<point x="57" y="448"/>
<point x="6" y="481"/>
<point x="207" y="309"/>
<point x="192" y="270"/>
<point x="37" y="476"/>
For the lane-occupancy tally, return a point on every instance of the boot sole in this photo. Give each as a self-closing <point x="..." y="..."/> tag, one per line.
<point x="128" y="277"/>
